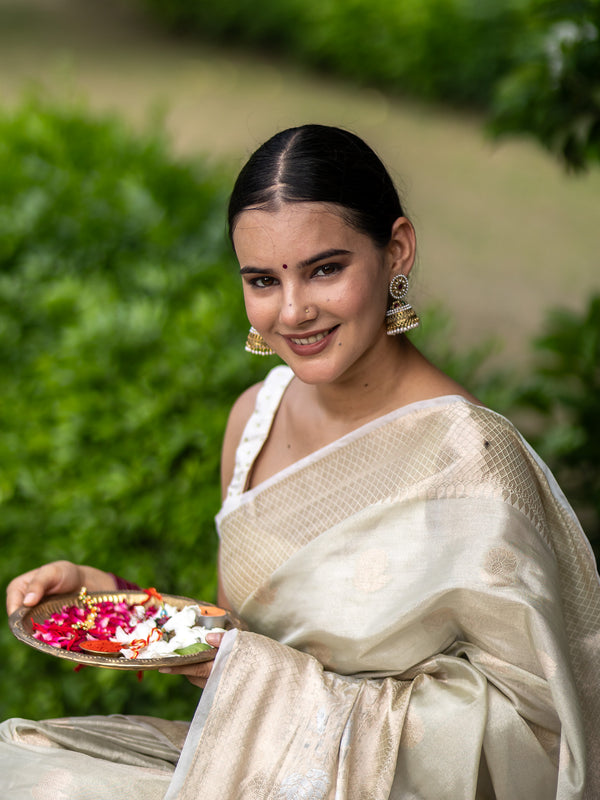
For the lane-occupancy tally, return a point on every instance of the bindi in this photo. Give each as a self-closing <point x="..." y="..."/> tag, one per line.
<point x="285" y="266"/>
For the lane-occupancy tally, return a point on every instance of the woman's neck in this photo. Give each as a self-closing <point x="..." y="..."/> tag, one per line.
<point x="371" y="390"/>
<point x="404" y="377"/>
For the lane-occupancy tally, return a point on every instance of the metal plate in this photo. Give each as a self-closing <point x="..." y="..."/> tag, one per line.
<point x="20" y="622"/>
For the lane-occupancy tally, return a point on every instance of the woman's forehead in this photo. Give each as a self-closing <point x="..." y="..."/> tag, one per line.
<point x="297" y="225"/>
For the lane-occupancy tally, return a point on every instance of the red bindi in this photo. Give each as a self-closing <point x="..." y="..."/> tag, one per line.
<point x="285" y="266"/>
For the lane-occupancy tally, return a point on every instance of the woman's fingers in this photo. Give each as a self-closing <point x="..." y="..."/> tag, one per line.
<point x="17" y="590"/>
<point x="57" y="577"/>
<point x="30" y="587"/>
<point x="215" y="638"/>
<point x="199" y="672"/>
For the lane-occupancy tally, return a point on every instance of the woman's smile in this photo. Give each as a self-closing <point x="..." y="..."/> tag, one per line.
<point x="310" y="344"/>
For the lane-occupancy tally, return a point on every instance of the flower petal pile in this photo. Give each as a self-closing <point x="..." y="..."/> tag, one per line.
<point x="152" y="629"/>
<point x="72" y="625"/>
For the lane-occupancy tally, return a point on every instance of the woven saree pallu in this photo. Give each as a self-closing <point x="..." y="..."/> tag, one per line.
<point x="429" y="563"/>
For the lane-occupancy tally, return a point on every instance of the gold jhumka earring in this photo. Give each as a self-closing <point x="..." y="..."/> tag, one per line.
<point x="400" y="316"/>
<point x="256" y="345"/>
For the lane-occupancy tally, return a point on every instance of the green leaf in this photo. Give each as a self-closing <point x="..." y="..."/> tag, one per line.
<point x="197" y="647"/>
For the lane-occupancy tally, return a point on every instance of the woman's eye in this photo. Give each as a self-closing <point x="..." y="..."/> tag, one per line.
<point x="263" y="282"/>
<point x="327" y="269"/>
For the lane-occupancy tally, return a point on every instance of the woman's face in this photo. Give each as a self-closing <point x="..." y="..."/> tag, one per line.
<point x="315" y="288"/>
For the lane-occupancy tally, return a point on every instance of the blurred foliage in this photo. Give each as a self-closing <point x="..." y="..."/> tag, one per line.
<point x="448" y="50"/>
<point x="533" y="64"/>
<point x="563" y="394"/>
<point x="554" y="91"/>
<point x="121" y="350"/>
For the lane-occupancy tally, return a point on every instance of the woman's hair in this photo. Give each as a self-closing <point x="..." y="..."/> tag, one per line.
<point x="319" y="164"/>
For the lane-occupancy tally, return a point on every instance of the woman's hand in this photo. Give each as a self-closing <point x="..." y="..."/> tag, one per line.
<point x="199" y="673"/>
<point x="58" y="577"/>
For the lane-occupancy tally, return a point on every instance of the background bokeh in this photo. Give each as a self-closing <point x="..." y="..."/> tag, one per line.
<point x="121" y="320"/>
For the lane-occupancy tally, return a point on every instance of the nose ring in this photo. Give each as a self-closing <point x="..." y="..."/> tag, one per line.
<point x="306" y="310"/>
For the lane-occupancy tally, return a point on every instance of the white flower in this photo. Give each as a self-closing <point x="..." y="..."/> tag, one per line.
<point x="180" y="627"/>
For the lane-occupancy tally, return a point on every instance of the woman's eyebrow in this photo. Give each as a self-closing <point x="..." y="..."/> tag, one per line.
<point x="322" y="256"/>
<point x="256" y="271"/>
<point x="331" y="253"/>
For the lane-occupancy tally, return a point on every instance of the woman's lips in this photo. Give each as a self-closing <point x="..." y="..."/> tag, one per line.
<point x="310" y="343"/>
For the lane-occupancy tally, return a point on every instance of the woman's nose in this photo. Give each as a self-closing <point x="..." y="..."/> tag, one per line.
<point x="297" y="308"/>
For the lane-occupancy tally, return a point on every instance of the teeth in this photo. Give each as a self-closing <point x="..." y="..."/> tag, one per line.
<point x="310" y="339"/>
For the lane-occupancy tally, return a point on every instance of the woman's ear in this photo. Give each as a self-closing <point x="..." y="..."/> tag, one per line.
<point x="402" y="247"/>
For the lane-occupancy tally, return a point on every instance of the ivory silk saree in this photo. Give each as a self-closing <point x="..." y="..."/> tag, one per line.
<point x="424" y="622"/>
<point x="425" y="617"/>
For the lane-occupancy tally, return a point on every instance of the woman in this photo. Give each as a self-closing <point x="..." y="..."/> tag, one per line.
<point x="423" y="607"/>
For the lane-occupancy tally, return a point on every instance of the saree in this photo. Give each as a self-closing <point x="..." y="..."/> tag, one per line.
<point x="423" y="616"/>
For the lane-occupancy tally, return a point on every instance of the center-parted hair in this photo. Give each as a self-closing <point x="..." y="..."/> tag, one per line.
<point x="319" y="164"/>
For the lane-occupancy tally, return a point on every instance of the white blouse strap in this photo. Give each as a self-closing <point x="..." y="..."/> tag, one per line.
<point x="258" y="426"/>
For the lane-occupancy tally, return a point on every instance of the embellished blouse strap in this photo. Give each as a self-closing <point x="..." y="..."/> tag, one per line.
<point x="258" y="426"/>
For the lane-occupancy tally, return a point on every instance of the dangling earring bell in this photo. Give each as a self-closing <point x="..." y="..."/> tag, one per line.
<point x="256" y="345"/>
<point x="400" y="316"/>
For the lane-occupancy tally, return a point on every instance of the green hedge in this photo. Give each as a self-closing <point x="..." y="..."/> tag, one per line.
<point x="448" y="50"/>
<point x="563" y="395"/>
<point x="121" y="350"/>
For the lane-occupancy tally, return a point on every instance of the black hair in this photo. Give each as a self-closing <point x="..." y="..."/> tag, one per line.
<point x="322" y="164"/>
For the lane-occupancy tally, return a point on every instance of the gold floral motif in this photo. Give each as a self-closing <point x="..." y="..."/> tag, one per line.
<point x="256" y="788"/>
<point x="500" y="566"/>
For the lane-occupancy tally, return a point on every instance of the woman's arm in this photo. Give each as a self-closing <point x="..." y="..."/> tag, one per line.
<point x="240" y="412"/>
<point x="238" y="417"/>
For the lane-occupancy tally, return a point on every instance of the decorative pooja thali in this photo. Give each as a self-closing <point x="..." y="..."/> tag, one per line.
<point x="135" y="630"/>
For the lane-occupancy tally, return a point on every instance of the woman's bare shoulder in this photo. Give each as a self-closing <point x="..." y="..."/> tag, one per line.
<point x="244" y="405"/>
<point x="441" y="384"/>
<point x="238" y="417"/>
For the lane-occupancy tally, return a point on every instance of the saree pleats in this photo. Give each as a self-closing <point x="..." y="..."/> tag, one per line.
<point x="89" y="758"/>
<point x="295" y="730"/>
